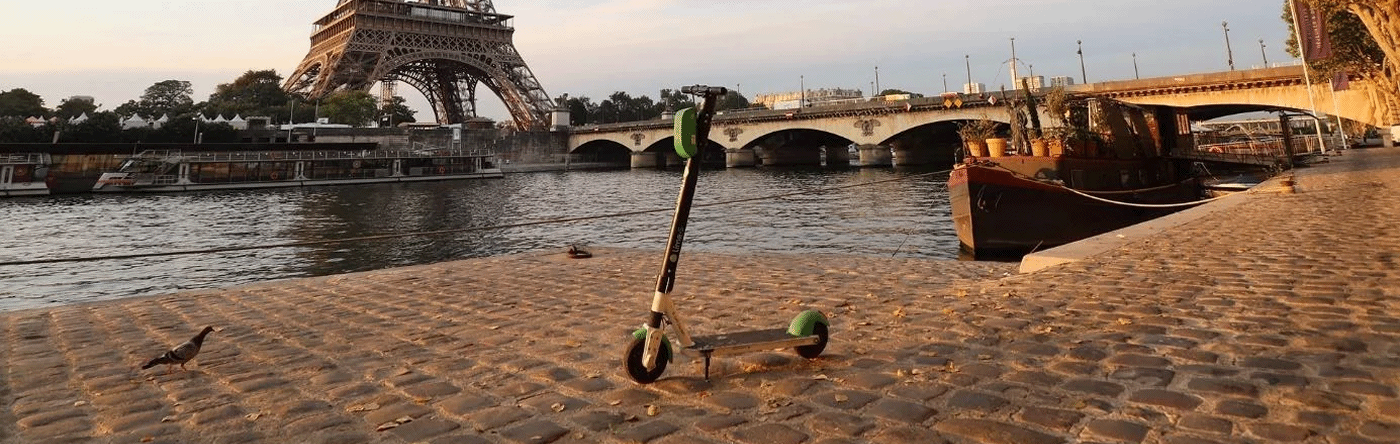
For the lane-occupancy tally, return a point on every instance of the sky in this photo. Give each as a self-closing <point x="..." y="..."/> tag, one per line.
<point x="113" y="51"/>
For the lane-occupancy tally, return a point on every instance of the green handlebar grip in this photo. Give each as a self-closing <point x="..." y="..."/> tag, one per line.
<point x="685" y="133"/>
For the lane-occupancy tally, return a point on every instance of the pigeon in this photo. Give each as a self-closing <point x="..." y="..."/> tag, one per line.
<point x="180" y="354"/>
<point x="578" y="253"/>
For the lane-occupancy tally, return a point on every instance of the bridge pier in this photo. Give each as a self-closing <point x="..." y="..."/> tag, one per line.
<point x="911" y="156"/>
<point x="646" y="160"/>
<point x="1388" y="138"/>
<point x="837" y="156"/>
<point x="740" y="158"/>
<point x="874" y="155"/>
<point x="673" y="159"/>
<point x="791" y="156"/>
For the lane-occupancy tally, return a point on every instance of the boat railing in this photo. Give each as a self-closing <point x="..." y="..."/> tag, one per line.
<point x="252" y="156"/>
<point x="1271" y="147"/>
<point x="24" y="158"/>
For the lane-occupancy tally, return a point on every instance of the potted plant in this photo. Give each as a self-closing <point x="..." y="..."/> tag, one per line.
<point x="975" y="134"/>
<point x="1057" y="106"/>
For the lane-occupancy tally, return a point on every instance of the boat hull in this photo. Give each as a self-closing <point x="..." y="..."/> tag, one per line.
<point x="24" y="174"/>
<point x="24" y="189"/>
<point x="1007" y="208"/>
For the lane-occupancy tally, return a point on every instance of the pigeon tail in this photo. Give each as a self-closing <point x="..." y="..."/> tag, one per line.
<point x="162" y="359"/>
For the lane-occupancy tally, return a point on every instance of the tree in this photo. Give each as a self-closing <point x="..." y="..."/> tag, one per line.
<point x="396" y="112"/>
<point x="255" y="93"/>
<point x="100" y="127"/>
<point x="733" y="100"/>
<point x="76" y="106"/>
<point x="354" y="108"/>
<point x="674" y="100"/>
<point x="14" y="129"/>
<point x="19" y="102"/>
<point x="170" y="97"/>
<point x="1365" y="40"/>
<point x="895" y="92"/>
<point x="582" y="110"/>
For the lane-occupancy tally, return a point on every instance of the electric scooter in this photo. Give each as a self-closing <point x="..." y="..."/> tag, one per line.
<point x="650" y="350"/>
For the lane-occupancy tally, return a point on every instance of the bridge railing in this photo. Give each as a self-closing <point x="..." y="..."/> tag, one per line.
<point x="876" y="105"/>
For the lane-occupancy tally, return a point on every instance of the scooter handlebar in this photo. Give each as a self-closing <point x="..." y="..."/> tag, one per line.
<point x="702" y="90"/>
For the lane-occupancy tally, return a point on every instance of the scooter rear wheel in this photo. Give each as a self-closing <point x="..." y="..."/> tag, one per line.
<point x="636" y="369"/>
<point x="814" y="350"/>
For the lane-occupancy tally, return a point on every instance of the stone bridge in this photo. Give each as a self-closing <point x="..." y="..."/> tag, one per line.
<point x="1212" y="95"/>
<point x="882" y="132"/>
<point x="924" y="130"/>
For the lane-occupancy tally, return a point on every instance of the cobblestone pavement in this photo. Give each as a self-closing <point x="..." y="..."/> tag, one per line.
<point x="1274" y="321"/>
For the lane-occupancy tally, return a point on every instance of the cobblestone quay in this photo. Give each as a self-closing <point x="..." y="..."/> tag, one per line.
<point x="1271" y="321"/>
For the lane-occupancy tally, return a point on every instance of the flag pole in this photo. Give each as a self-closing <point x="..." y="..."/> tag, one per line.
<point x="1307" y="76"/>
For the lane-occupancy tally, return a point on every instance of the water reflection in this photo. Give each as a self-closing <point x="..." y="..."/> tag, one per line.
<point x="908" y="218"/>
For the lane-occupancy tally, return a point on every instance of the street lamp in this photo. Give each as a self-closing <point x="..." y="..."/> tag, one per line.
<point x="803" y="103"/>
<point x="968" y="60"/>
<point x="196" y="128"/>
<point x="877" y="79"/>
<point x="1230" y="53"/>
<point x="1135" y="68"/>
<point x="1082" y="76"/>
<point x="1264" y="53"/>
<point x="1014" y="78"/>
<point x="945" y="82"/>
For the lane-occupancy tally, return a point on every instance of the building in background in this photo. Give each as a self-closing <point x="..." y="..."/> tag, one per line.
<point x="814" y="97"/>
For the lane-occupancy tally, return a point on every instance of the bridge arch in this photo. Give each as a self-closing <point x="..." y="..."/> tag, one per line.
<point x="603" y="150"/>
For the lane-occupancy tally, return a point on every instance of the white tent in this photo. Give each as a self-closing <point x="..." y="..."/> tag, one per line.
<point x="135" y="121"/>
<point x="238" y="123"/>
<point x="80" y="119"/>
<point x="164" y="119"/>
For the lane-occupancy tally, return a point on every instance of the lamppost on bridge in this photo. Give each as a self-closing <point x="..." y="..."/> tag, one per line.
<point x="877" y="79"/>
<point x="968" y="60"/>
<point x="1082" y="76"/>
<point x="1136" y="75"/>
<point x="945" y="82"/>
<point x="196" y="127"/>
<point x="803" y="103"/>
<point x="1264" y="53"/>
<point x="1015" y="79"/>
<point x="1230" y="53"/>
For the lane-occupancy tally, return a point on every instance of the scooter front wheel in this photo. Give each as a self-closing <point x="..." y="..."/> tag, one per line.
<point x="636" y="369"/>
<point x="810" y="322"/>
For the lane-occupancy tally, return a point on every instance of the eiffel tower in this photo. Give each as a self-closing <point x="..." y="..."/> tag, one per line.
<point x="443" y="48"/>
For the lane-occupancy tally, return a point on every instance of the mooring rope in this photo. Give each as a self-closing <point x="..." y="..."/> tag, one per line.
<point x="451" y="231"/>
<point x="1116" y="202"/>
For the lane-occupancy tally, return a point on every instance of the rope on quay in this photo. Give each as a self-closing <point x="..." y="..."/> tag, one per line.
<point x="451" y="231"/>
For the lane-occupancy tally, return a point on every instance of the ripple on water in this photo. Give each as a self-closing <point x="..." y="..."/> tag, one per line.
<point x="908" y="218"/>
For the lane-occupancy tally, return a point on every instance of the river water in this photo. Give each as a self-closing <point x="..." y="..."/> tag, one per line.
<point x="906" y="216"/>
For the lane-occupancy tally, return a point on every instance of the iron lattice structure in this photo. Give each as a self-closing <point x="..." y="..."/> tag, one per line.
<point x="442" y="48"/>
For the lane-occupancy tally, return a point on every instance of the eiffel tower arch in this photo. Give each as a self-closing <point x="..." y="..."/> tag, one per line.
<point x="442" y="48"/>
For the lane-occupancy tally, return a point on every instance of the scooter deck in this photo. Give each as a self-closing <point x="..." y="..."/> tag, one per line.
<point x="750" y="340"/>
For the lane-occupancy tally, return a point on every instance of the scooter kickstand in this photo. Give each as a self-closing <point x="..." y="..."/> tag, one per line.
<point x="707" y="354"/>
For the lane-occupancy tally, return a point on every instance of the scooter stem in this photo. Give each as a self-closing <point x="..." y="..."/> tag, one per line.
<point x="666" y="280"/>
